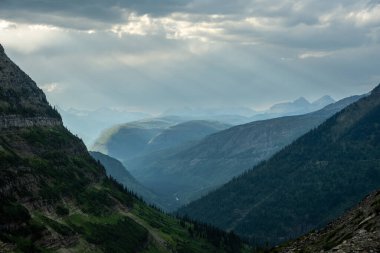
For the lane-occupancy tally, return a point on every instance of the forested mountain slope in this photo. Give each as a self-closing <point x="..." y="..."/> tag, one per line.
<point x="307" y="184"/>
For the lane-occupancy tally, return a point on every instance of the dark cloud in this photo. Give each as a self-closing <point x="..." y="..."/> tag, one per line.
<point x="85" y="14"/>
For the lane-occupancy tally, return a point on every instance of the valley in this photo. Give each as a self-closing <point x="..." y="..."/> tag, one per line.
<point x="189" y="126"/>
<point x="196" y="165"/>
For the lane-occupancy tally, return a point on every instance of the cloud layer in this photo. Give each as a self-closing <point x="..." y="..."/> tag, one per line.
<point x="153" y="54"/>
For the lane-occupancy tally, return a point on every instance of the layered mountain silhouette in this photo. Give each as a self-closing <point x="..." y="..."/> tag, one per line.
<point x="178" y="126"/>
<point x="187" y="173"/>
<point x="307" y="184"/>
<point x="242" y="115"/>
<point x="54" y="197"/>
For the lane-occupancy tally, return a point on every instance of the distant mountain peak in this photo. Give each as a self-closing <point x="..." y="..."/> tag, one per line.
<point x="298" y="105"/>
<point x="1" y="49"/>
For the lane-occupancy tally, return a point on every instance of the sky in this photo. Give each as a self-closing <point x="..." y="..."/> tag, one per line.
<point x="151" y="55"/>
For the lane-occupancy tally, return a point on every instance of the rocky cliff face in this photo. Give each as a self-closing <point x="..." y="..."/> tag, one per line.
<point x="15" y="121"/>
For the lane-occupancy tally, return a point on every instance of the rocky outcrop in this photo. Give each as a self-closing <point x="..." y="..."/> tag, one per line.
<point x="14" y="121"/>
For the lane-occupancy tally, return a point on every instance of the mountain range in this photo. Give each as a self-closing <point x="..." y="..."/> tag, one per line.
<point x="188" y="172"/>
<point x="307" y="184"/>
<point x="241" y="115"/>
<point x="89" y="124"/>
